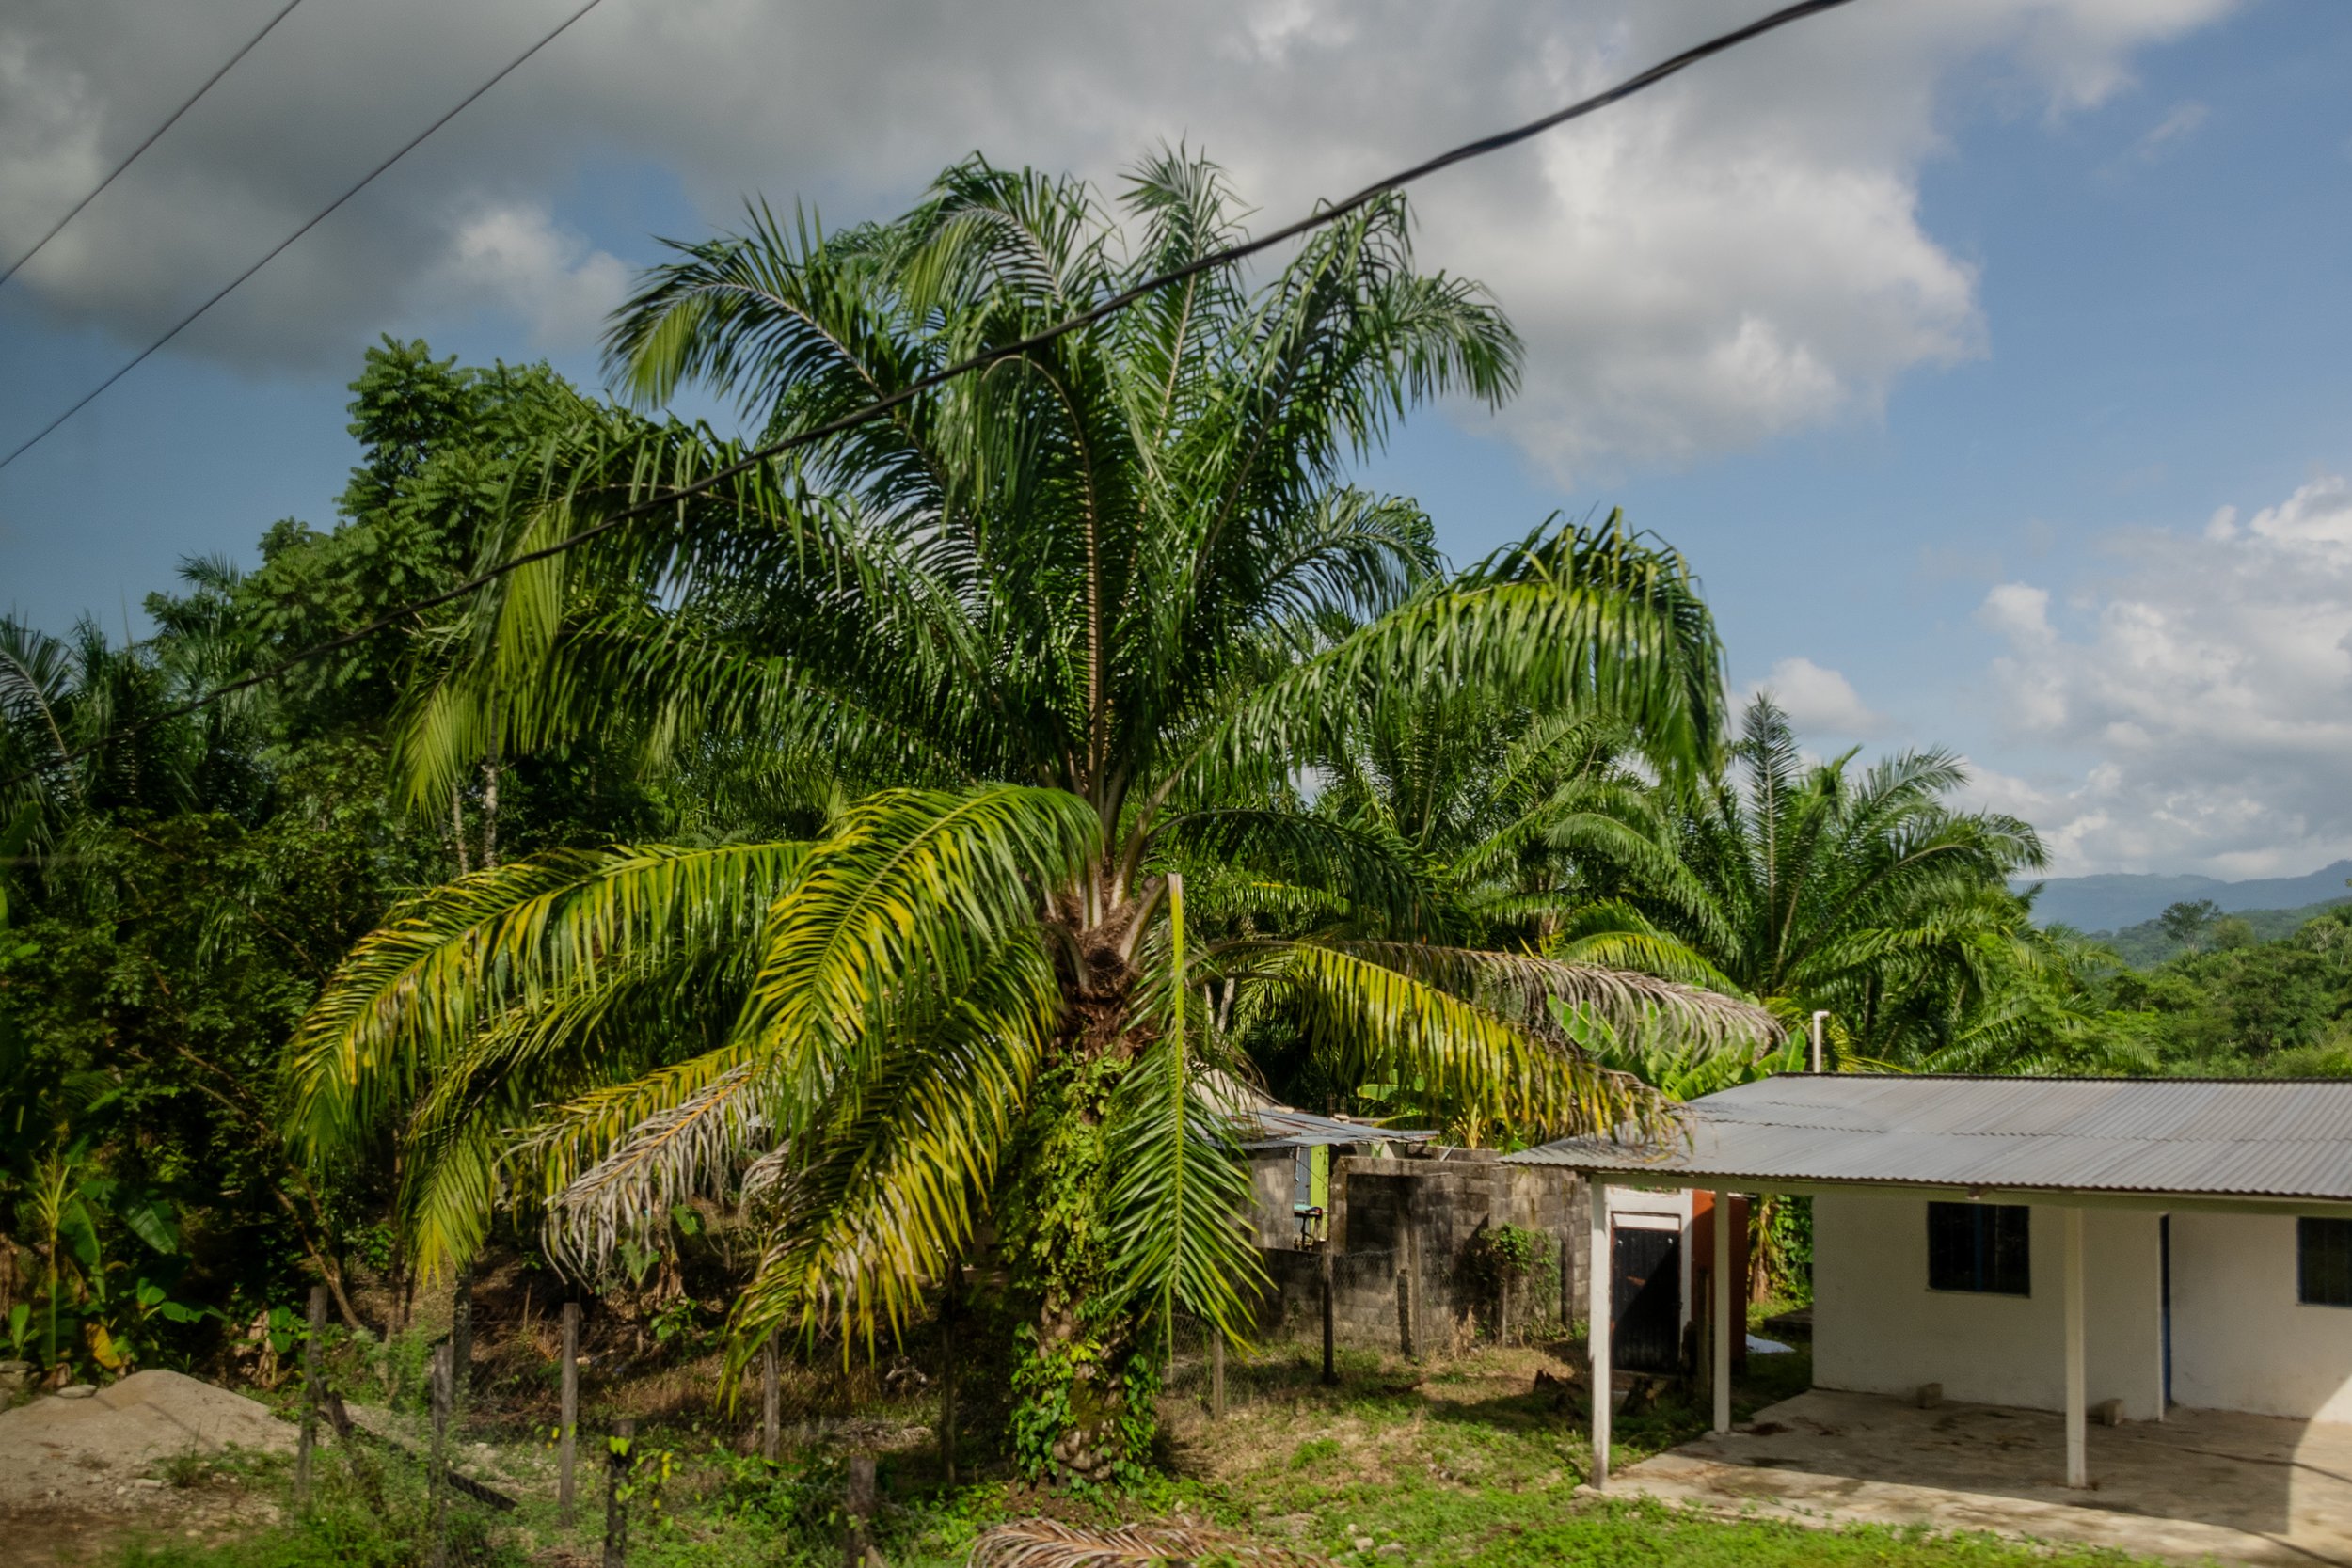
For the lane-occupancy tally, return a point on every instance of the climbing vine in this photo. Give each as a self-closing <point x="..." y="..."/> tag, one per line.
<point x="1083" y="1389"/>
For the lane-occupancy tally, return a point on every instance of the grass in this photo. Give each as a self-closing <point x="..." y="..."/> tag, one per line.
<point x="1460" y="1465"/>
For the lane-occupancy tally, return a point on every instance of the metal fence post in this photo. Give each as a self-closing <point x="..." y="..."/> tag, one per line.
<point x="620" y="1455"/>
<point x="310" y="1395"/>
<point x="437" y="1477"/>
<point x="567" y="1439"/>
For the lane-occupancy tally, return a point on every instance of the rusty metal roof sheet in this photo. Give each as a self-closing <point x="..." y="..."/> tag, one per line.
<point x="2270" y="1138"/>
<point x="1277" y="1127"/>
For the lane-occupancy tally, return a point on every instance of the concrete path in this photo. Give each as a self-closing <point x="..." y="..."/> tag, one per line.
<point x="2199" y="1484"/>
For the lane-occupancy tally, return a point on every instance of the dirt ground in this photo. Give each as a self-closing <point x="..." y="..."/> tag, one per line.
<point x="157" y="1453"/>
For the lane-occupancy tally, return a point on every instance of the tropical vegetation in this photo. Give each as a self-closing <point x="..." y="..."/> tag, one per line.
<point x="1050" y="640"/>
<point x="872" y="855"/>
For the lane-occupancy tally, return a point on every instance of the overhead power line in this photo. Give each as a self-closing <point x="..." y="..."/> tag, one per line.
<point x="1226" y="257"/>
<point x="152" y="138"/>
<point x="411" y="146"/>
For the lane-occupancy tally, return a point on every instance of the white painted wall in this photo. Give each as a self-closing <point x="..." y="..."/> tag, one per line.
<point x="1877" y="1328"/>
<point x="2240" y="1340"/>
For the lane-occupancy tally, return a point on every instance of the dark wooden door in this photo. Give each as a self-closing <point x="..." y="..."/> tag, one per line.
<point x="1645" y="1300"/>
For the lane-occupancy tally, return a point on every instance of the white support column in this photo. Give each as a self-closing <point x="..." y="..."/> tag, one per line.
<point x="1597" y="1275"/>
<point x="1721" y="1281"/>
<point x="2077" y="1407"/>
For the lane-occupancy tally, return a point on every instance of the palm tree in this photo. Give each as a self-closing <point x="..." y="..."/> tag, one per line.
<point x="1813" y="888"/>
<point x="1496" y="813"/>
<point x="1013" y="656"/>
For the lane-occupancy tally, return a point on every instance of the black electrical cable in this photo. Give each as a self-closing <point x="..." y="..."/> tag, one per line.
<point x="152" y="138"/>
<point x="412" y="146"/>
<point x="1226" y="257"/>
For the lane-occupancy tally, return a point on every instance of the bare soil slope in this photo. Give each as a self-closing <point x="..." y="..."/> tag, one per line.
<point x="76" y="1474"/>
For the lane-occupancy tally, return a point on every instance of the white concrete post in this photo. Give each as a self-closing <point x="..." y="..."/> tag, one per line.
<point x="2077" y="1411"/>
<point x="1723" y="1310"/>
<point x="1598" y="1273"/>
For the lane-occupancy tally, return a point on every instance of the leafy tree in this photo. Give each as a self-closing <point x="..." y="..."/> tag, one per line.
<point x="170" y="901"/>
<point x="2188" y="921"/>
<point x="1019" y="652"/>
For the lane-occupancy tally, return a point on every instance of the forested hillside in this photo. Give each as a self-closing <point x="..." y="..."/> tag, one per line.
<point x="2231" y="1003"/>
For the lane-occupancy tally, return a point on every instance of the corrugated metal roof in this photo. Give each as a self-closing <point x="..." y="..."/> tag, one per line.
<point x="2240" y="1138"/>
<point x="1276" y="1127"/>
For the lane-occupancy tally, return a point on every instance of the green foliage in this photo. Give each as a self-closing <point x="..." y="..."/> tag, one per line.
<point x="1812" y="888"/>
<point x="2281" y="1006"/>
<point x="1505" y="1254"/>
<point x="169" y="904"/>
<point x="1008" y="659"/>
<point x="2147" y="944"/>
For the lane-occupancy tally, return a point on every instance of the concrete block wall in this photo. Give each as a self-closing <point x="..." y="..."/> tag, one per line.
<point x="1399" y="1231"/>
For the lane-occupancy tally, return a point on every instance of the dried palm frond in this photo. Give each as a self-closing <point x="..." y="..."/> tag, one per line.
<point x="1050" y="1543"/>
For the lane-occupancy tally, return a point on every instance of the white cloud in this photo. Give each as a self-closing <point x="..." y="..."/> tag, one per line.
<point x="2181" y="123"/>
<point x="2210" y="681"/>
<point x="519" y="259"/>
<point x="1819" y="701"/>
<point x="1737" y="255"/>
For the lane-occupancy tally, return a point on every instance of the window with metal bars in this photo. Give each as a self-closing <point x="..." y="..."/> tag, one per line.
<point x="2323" y="1263"/>
<point x="1981" y="1247"/>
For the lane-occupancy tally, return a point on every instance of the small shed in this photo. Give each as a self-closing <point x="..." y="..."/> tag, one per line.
<point x="2047" y="1243"/>
<point x="1290" y="1166"/>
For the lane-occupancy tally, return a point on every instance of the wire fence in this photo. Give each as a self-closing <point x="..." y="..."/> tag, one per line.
<point x="425" y="1485"/>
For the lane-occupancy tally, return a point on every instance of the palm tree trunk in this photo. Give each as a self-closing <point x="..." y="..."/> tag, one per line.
<point x="1081" y="1413"/>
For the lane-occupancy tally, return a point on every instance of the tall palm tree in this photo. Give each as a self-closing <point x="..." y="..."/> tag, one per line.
<point x="1816" y="887"/>
<point x="1019" y="652"/>
<point x="1496" y="813"/>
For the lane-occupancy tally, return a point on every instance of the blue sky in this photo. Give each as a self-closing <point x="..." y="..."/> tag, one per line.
<point x="1939" y="341"/>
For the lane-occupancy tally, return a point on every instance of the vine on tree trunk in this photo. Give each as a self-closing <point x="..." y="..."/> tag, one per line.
<point x="1084" y="1387"/>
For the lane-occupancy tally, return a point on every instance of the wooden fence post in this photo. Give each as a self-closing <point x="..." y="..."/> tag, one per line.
<point x="770" y="1402"/>
<point x="461" y="1347"/>
<point x="949" y="1302"/>
<point x="1567" y="1281"/>
<point x="567" y="1439"/>
<point x="309" y="1438"/>
<point x="1217" y="1373"/>
<point x="1330" y="1361"/>
<point x="436" y="1476"/>
<point x="620" y="1455"/>
<point x="860" y="1509"/>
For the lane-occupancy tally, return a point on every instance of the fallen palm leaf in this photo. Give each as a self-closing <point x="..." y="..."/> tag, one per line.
<point x="1050" y="1543"/>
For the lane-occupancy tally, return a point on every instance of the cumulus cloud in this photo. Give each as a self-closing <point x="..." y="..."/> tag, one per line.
<point x="1819" y="701"/>
<point x="522" y="260"/>
<point x="2210" y="684"/>
<point x="1735" y="256"/>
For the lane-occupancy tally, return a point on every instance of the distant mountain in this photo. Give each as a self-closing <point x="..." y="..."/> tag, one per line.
<point x="2110" y="903"/>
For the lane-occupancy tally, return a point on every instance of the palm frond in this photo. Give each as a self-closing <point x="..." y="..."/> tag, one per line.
<point x="449" y="961"/>
<point x="1052" y="1543"/>
<point x="1377" y="1023"/>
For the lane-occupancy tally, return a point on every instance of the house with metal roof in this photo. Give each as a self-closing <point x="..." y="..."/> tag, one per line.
<point x="2130" y="1246"/>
